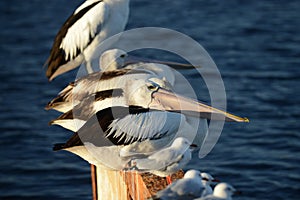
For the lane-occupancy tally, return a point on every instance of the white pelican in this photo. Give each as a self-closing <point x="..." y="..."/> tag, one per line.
<point x="113" y="63"/>
<point x="130" y="92"/>
<point x="96" y="83"/>
<point x="222" y="191"/>
<point x="166" y="161"/>
<point x="90" y="24"/>
<point x="147" y="113"/>
<point x="187" y="188"/>
<point x="113" y="59"/>
<point x="81" y="109"/>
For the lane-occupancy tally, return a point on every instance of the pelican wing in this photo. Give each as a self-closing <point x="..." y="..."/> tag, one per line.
<point x="143" y="125"/>
<point x="117" y="125"/>
<point x="81" y="33"/>
<point x="76" y="33"/>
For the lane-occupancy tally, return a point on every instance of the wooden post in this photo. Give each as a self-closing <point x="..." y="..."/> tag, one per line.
<point x="121" y="185"/>
<point x="94" y="182"/>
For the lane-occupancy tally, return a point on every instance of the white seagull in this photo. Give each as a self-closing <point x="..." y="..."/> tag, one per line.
<point x="187" y="188"/>
<point x="207" y="181"/>
<point x="166" y="161"/>
<point x="222" y="191"/>
<point x="90" y="24"/>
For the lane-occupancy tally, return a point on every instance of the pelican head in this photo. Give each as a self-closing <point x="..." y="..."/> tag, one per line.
<point x="155" y="93"/>
<point x="139" y="92"/>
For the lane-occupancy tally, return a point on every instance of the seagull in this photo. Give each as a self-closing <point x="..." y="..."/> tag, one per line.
<point x="187" y="188"/>
<point x="89" y="25"/>
<point x="207" y="181"/>
<point x="165" y="161"/>
<point x="148" y="112"/>
<point x="222" y="191"/>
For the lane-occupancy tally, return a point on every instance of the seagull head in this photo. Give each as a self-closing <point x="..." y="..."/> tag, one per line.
<point x="112" y="59"/>
<point x="224" y="190"/>
<point x="192" y="173"/>
<point x="181" y="143"/>
<point x="207" y="179"/>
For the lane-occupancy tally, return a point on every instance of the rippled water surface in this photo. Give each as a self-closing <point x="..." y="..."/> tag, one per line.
<point x="256" y="47"/>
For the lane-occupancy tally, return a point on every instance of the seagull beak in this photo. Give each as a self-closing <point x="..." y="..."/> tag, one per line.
<point x="175" y="65"/>
<point x="193" y="147"/>
<point x="237" y="192"/>
<point x="165" y="100"/>
<point x="216" y="180"/>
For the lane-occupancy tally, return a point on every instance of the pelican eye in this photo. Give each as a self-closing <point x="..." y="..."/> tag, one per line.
<point x="153" y="87"/>
<point x="123" y="56"/>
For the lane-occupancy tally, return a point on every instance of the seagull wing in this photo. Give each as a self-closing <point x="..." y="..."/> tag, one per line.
<point x="158" y="160"/>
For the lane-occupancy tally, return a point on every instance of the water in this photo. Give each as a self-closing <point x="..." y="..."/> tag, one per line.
<point x="256" y="47"/>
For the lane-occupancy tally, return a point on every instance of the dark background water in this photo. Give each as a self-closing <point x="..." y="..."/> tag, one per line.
<point x="256" y="47"/>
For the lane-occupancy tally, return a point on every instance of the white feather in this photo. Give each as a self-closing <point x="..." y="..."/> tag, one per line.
<point x="145" y="125"/>
<point x="189" y="187"/>
<point x="168" y="160"/>
<point x="78" y="35"/>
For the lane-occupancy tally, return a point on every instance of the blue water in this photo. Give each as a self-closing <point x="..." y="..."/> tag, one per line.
<point x="256" y="47"/>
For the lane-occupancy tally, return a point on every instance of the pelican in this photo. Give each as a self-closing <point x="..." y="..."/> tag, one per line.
<point x="94" y="83"/>
<point x="189" y="187"/>
<point x="113" y="63"/>
<point x="81" y="109"/>
<point x="90" y="24"/>
<point x="148" y="112"/>
<point x="113" y="59"/>
<point x="222" y="191"/>
<point x="131" y="92"/>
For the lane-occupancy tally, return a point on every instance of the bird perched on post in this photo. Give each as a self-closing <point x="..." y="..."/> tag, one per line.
<point x="207" y="181"/>
<point x="166" y="161"/>
<point x="187" y="188"/>
<point x="140" y="110"/>
<point x="89" y="25"/>
<point x="222" y="191"/>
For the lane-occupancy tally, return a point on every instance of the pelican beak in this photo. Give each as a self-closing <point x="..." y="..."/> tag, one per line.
<point x="166" y="100"/>
<point x="175" y="65"/>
